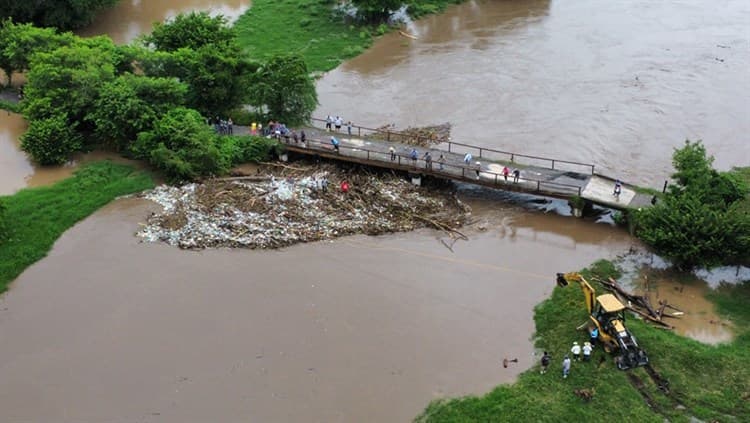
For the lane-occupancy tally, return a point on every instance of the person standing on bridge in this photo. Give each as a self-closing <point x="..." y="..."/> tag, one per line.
<point x="303" y="136"/>
<point x="338" y="122"/>
<point x="467" y="158"/>
<point x="479" y="169"/>
<point x="506" y="172"/>
<point x="414" y="155"/>
<point x="335" y="143"/>
<point x="349" y="128"/>
<point x="618" y="188"/>
<point x="427" y="160"/>
<point x="329" y="122"/>
<point x="392" y="151"/>
<point x="441" y="161"/>
<point x="516" y="175"/>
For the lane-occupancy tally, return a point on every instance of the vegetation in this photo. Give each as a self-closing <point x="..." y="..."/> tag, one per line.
<point x="62" y="14"/>
<point x="20" y="41"/>
<point x="282" y="85"/>
<point x="700" y="221"/>
<point x="320" y="31"/>
<point x="88" y="91"/>
<point x="36" y="217"/>
<point x="708" y="381"/>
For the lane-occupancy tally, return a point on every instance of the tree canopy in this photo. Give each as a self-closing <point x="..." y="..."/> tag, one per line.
<point x="62" y="14"/>
<point x="700" y="220"/>
<point x="284" y="87"/>
<point x="373" y="10"/>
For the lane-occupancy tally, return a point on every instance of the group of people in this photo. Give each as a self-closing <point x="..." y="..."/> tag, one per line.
<point x="577" y="351"/>
<point x="222" y="126"/>
<point x="337" y="123"/>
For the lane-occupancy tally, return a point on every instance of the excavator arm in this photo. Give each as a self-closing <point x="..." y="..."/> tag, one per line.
<point x="563" y="279"/>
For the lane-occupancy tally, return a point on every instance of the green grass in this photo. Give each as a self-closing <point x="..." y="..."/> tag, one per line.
<point x="312" y="29"/>
<point x="710" y="382"/>
<point x="306" y="27"/>
<point x="36" y="217"/>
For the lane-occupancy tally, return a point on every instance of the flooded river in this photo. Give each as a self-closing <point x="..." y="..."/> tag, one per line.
<point x="358" y="329"/>
<point x="372" y="328"/>
<point x="131" y="18"/>
<point x="618" y="84"/>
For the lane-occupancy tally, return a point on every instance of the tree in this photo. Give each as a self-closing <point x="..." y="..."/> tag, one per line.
<point x="62" y="14"/>
<point x="284" y="87"/>
<point x="131" y="104"/>
<point x="20" y="41"/>
<point x="700" y="221"/>
<point x="62" y="90"/>
<point x="201" y="51"/>
<point x="51" y="140"/>
<point x="67" y="80"/>
<point x="182" y="145"/>
<point x="193" y="30"/>
<point x="376" y="10"/>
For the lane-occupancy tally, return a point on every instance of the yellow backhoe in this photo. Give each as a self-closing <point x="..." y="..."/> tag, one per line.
<point x="607" y="313"/>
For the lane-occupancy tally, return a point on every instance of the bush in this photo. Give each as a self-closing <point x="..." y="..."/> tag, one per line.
<point x="50" y="141"/>
<point x="700" y="220"/>
<point x="244" y="149"/>
<point x="182" y="146"/>
<point x="3" y="224"/>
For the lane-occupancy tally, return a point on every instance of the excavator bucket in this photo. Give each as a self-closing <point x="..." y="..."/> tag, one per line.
<point x="561" y="282"/>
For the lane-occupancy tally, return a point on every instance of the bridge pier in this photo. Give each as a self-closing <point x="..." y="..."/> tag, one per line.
<point x="579" y="206"/>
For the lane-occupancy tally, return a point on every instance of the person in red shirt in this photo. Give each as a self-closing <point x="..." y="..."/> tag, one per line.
<point x="344" y="186"/>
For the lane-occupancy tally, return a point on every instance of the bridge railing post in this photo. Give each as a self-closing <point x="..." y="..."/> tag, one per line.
<point x="512" y="157"/>
<point x="480" y="152"/>
<point x="449" y="146"/>
<point x="538" y="185"/>
<point x="553" y="164"/>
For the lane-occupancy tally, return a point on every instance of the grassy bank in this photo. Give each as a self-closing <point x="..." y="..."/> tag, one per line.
<point x="706" y="382"/>
<point x="312" y="29"/>
<point x="36" y="217"/>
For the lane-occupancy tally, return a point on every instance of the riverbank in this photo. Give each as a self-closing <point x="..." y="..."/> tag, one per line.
<point x="36" y="217"/>
<point x="707" y="382"/>
<point x="312" y="29"/>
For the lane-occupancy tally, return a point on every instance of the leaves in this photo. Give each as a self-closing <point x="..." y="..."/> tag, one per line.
<point x="700" y="222"/>
<point x="284" y="87"/>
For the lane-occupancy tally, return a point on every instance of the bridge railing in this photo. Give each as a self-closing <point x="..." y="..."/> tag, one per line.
<point x="476" y="151"/>
<point x="455" y="171"/>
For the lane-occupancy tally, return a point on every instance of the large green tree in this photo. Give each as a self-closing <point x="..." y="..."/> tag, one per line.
<point x="700" y="220"/>
<point x="63" y="14"/>
<point x="201" y="51"/>
<point x="285" y="89"/>
<point x="20" y="41"/>
<point x="131" y="104"/>
<point x="62" y="90"/>
<point x="192" y="30"/>
<point x="182" y="146"/>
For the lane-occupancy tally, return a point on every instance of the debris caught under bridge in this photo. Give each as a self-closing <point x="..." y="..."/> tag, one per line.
<point x="291" y="205"/>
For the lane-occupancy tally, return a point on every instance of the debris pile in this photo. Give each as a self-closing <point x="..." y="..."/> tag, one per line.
<point x="641" y="305"/>
<point x="298" y="204"/>
<point x="424" y="136"/>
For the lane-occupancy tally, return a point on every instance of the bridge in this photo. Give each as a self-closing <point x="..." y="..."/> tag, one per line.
<point x="538" y="175"/>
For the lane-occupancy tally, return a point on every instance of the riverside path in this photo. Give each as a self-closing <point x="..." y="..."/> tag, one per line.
<point x="538" y="175"/>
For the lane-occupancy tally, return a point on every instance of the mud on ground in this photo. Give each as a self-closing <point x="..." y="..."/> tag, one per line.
<point x="288" y="204"/>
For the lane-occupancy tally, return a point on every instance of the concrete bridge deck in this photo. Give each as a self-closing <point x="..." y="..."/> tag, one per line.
<point x="538" y="175"/>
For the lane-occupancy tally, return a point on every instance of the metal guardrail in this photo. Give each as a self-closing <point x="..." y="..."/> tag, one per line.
<point x="453" y="171"/>
<point x="397" y="136"/>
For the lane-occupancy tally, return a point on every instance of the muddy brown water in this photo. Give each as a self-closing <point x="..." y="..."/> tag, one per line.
<point x="18" y="171"/>
<point x="698" y="318"/>
<point x="359" y="329"/>
<point x="617" y="84"/>
<point x="130" y="18"/>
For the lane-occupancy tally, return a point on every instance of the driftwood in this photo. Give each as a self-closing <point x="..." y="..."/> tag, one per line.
<point x="639" y="304"/>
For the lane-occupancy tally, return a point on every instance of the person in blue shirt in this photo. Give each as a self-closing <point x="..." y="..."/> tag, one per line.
<point x="594" y="335"/>
<point x="414" y="154"/>
<point x="335" y="143"/>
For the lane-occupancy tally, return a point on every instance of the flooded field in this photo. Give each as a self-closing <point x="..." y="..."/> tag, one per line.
<point x="359" y="329"/>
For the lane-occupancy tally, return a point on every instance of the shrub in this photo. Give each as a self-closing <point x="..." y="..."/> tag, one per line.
<point x="50" y="141"/>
